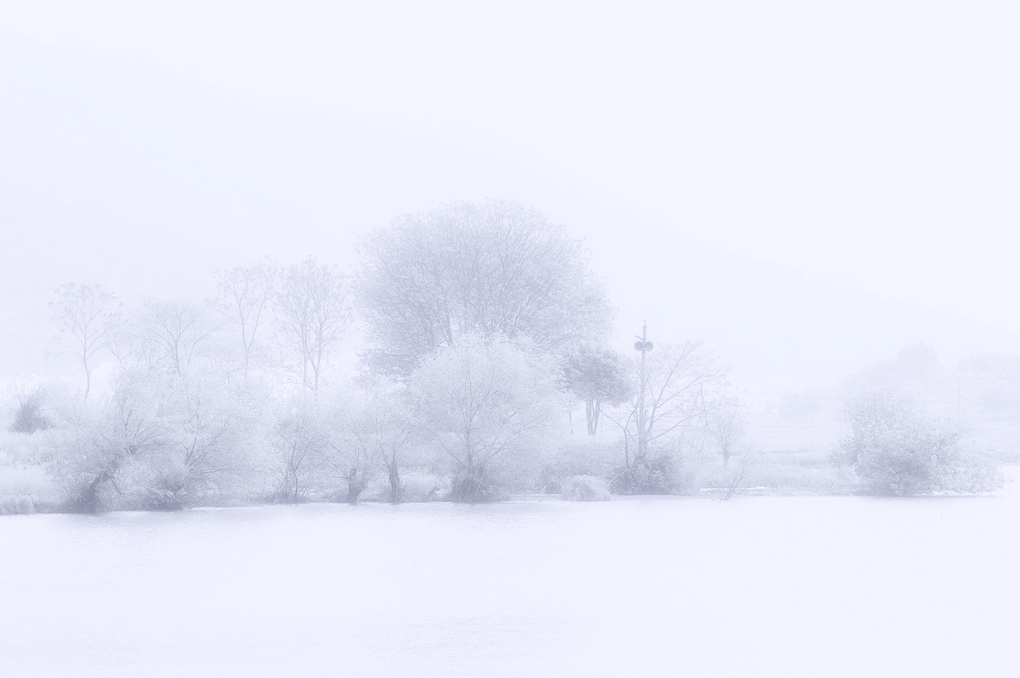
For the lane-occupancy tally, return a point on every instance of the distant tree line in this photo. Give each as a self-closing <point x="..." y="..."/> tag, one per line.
<point x="485" y="324"/>
<point x="486" y="329"/>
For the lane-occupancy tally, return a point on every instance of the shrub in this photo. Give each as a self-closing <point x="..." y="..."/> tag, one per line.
<point x="894" y="450"/>
<point x="664" y="471"/>
<point x="476" y="488"/>
<point x="29" y="416"/>
<point x="16" y="505"/>
<point x="585" y="488"/>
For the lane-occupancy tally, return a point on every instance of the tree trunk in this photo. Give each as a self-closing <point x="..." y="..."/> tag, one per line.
<point x="88" y="502"/>
<point x="395" y="484"/>
<point x="354" y="486"/>
<point x="88" y="380"/>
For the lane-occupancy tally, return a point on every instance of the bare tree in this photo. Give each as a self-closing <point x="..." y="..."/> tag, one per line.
<point x="671" y="404"/>
<point x="172" y="331"/>
<point x="87" y="315"/>
<point x="733" y="476"/>
<point x="314" y="314"/>
<point x="244" y="297"/>
<point x="497" y="269"/>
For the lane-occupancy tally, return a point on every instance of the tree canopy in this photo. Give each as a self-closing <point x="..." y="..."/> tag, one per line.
<point x="495" y="269"/>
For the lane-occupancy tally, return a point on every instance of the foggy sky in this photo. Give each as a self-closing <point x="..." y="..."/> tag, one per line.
<point x="848" y="172"/>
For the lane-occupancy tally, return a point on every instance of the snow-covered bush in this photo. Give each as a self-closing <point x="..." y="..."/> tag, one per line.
<point x="30" y="416"/>
<point x="895" y="450"/>
<point x="585" y="488"/>
<point x="97" y="444"/>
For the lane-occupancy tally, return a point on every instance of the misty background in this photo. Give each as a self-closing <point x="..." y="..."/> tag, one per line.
<point x="822" y="194"/>
<point x="808" y="190"/>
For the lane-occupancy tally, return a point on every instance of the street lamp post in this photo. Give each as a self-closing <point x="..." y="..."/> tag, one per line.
<point x="644" y="346"/>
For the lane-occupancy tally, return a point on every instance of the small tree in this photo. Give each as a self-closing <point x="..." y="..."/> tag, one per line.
<point x="726" y="425"/>
<point x="87" y="315"/>
<point x="597" y="376"/>
<point x="481" y="401"/>
<point x="895" y="450"/>
<point x="313" y="314"/>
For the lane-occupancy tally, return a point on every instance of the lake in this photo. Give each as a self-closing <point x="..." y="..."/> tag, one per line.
<point x="784" y="586"/>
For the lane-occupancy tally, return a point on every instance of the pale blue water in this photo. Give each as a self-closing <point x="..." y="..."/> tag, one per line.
<point x="633" y="587"/>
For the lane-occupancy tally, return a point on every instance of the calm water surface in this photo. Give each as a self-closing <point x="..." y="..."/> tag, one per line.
<point x="633" y="587"/>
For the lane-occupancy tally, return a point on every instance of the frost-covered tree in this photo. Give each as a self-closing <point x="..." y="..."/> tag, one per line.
<point x="597" y="376"/>
<point x="374" y="431"/>
<point x="206" y="428"/>
<point x="481" y="401"/>
<point x="98" y="442"/>
<point x="493" y="270"/>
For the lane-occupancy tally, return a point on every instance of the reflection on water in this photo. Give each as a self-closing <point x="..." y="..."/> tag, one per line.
<point x="633" y="587"/>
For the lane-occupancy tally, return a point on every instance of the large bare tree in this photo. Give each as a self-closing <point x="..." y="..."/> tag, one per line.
<point x="87" y="315"/>
<point x="496" y="269"/>
<point x="313" y="314"/>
